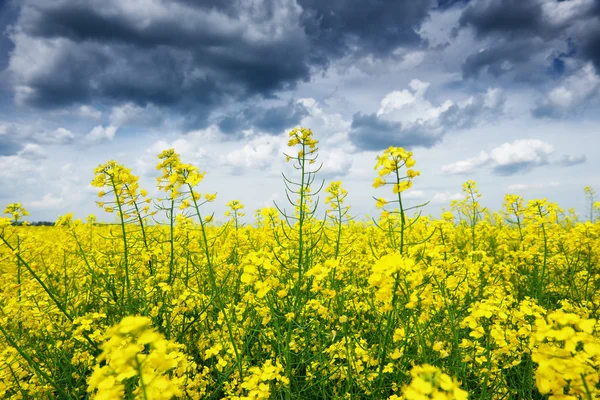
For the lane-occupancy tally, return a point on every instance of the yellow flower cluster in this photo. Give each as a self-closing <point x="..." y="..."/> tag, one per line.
<point x="114" y="178"/>
<point x="390" y="163"/>
<point x="234" y="209"/>
<point x="16" y="211"/>
<point x="388" y="273"/>
<point x="134" y="351"/>
<point x="305" y="138"/>
<point x="336" y="194"/>
<point x="257" y="384"/>
<point x="568" y="356"/>
<point x="176" y="174"/>
<point x="428" y="382"/>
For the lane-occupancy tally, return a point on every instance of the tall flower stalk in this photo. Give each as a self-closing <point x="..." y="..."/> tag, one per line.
<point x="389" y="166"/>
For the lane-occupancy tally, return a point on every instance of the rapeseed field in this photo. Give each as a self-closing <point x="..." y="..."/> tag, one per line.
<point x="307" y="302"/>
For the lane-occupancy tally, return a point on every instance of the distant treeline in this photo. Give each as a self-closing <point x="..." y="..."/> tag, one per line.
<point x="48" y="223"/>
<point x="35" y="223"/>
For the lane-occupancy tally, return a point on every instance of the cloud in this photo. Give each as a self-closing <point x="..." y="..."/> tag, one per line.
<point x="68" y="192"/>
<point x="435" y="198"/>
<point x="266" y="153"/>
<point x="13" y="135"/>
<point x="520" y="156"/>
<point x="336" y="163"/>
<point x="370" y="132"/>
<point x="25" y="162"/>
<point x="14" y="167"/>
<point x="336" y="28"/>
<point x="524" y="34"/>
<point x="182" y="54"/>
<point x="445" y="197"/>
<point x="406" y="118"/>
<point x="192" y="57"/>
<point x="520" y="59"/>
<point x="101" y="134"/>
<point x="330" y="127"/>
<point x="9" y="139"/>
<point x="258" y="154"/>
<point x="132" y="114"/>
<point x="58" y="136"/>
<point x="49" y="200"/>
<point x="192" y="147"/>
<point x="32" y="151"/>
<point x="511" y="158"/>
<point x="514" y="17"/>
<point x="414" y="194"/>
<point x="272" y="120"/>
<point x="89" y="112"/>
<point x="468" y="165"/>
<point x="568" y="160"/>
<point x="574" y="93"/>
<point x="527" y="186"/>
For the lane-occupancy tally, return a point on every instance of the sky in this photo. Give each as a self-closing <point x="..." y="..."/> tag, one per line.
<point x="503" y="92"/>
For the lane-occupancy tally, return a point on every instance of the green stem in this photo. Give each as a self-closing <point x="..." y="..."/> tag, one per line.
<point x="402" y="219"/>
<point x="34" y="365"/>
<point x="37" y="278"/>
<point x="213" y="281"/>
<point x="125" y="247"/>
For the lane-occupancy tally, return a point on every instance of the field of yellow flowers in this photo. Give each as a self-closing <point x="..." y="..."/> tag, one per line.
<point x="474" y="304"/>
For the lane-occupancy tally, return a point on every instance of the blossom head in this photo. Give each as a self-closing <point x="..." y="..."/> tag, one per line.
<point x="303" y="137"/>
<point x="16" y="211"/>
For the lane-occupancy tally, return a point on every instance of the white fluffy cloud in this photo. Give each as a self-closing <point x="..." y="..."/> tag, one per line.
<point x="68" y="192"/>
<point x="193" y="147"/>
<point x="259" y="153"/>
<point x="89" y="112"/>
<point x="410" y="106"/>
<point x="510" y="158"/>
<point x="16" y="167"/>
<point x="32" y="151"/>
<point x="101" y="134"/>
<point x="407" y="118"/>
<point x="49" y="200"/>
<point x="336" y="162"/>
<point x="574" y="92"/>
<point x="468" y="165"/>
<point x="330" y="127"/>
<point x="59" y="136"/>
<point x="265" y="152"/>
<point x="445" y="197"/>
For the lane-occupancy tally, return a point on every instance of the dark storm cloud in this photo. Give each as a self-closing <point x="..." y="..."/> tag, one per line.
<point x="371" y="132"/>
<point x="8" y="13"/>
<point x="269" y="120"/>
<point x="445" y="4"/>
<point x="377" y="27"/>
<point x="178" y="56"/>
<point x="590" y="43"/>
<point x="509" y="57"/>
<point x="195" y="55"/>
<point x="514" y="18"/>
<point x="521" y="32"/>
